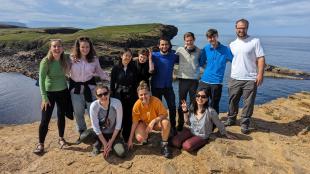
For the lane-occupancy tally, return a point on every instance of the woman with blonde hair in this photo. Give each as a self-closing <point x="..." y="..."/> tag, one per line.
<point x="53" y="88"/>
<point x="149" y="114"/>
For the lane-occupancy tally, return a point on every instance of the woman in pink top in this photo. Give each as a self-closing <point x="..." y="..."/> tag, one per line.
<point x="85" y="66"/>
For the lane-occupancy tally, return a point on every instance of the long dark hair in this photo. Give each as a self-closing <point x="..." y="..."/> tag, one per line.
<point x="76" y="52"/>
<point x="194" y="107"/>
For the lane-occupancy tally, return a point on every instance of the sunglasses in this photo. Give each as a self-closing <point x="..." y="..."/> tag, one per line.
<point x="103" y="94"/>
<point x="202" y="96"/>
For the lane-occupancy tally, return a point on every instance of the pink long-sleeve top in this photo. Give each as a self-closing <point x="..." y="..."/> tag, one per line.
<point x="82" y="71"/>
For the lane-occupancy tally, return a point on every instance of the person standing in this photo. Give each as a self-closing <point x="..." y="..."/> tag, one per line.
<point x="188" y="72"/>
<point x="53" y="88"/>
<point x="214" y="55"/>
<point x="161" y="82"/>
<point x="247" y="72"/>
<point x="145" y="66"/>
<point x="123" y="87"/>
<point x="82" y="84"/>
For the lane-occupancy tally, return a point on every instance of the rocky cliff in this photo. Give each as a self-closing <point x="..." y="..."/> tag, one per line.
<point x="22" y="49"/>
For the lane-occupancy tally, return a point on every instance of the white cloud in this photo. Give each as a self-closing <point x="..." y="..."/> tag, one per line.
<point x="93" y="13"/>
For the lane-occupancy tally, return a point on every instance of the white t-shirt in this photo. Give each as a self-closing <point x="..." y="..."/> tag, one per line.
<point x="98" y="114"/>
<point x="245" y="52"/>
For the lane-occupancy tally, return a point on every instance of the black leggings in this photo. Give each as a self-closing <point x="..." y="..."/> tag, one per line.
<point x="58" y="97"/>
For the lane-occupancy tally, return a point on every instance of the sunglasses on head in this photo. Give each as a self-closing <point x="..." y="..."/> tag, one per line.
<point x="202" y="96"/>
<point x="103" y="94"/>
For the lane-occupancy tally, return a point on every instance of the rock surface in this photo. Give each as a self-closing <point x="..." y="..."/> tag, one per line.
<point x="277" y="144"/>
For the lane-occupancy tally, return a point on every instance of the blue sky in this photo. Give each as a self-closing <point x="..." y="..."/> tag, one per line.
<point x="267" y="17"/>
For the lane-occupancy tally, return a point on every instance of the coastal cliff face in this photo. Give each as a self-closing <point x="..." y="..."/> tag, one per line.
<point x="277" y="144"/>
<point x="21" y="50"/>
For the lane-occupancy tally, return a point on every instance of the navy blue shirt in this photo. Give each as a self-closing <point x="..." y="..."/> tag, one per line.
<point x="163" y="66"/>
<point x="216" y="59"/>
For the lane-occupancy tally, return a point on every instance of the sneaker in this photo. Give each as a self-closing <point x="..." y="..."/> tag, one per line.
<point x="165" y="150"/>
<point x="78" y="141"/>
<point x="229" y="122"/>
<point x="95" y="152"/>
<point x="245" y="129"/>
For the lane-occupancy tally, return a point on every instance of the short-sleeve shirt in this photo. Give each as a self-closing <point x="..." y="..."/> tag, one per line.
<point x="147" y="113"/>
<point x="245" y="52"/>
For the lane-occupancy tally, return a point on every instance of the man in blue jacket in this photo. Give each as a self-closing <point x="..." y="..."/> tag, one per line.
<point x="214" y="55"/>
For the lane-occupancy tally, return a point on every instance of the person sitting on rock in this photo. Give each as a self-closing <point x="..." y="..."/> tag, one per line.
<point x="149" y="114"/>
<point x="200" y="119"/>
<point x="106" y="115"/>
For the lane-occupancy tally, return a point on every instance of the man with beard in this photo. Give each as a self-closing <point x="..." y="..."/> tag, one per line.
<point x="247" y="72"/>
<point x="161" y="83"/>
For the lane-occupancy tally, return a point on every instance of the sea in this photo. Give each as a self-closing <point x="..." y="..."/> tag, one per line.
<point x="20" y="97"/>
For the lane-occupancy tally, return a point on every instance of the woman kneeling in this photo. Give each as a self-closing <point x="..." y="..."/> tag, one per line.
<point x="149" y="114"/>
<point x="106" y="118"/>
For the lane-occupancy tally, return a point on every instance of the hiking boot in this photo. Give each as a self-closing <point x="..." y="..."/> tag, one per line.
<point x="165" y="150"/>
<point x="229" y="122"/>
<point x="245" y="129"/>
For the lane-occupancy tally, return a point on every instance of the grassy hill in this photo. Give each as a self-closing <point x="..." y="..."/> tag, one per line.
<point x="126" y="35"/>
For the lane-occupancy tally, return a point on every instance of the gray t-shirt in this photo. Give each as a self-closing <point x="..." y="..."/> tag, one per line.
<point x="204" y="126"/>
<point x="98" y="114"/>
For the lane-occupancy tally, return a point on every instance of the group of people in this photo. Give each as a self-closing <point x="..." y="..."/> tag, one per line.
<point x="132" y="106"/>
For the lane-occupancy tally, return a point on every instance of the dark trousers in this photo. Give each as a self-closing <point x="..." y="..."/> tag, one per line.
<point x="186" y="86"/>
<point x="169" y="95"/>
<point x="247" y="89"/>
<point x="215" y="93"/>
<point x="127" y="117"/>
<point x="188" y="141"/>
<point x="118" y="145"/>
<point x="58" y="97"/>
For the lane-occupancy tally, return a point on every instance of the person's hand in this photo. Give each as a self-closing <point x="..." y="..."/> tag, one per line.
<point x="150" y="127"/>
<point x="106" y="152"/>
<point x="44" y="105"/>
<point x="183" y="105"/>
<point x="150" y="53"/>
<point x="259" y="79"/>
<point x="129" y="144"/>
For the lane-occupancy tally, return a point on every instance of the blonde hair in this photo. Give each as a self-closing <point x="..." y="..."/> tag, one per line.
<point x="64" y="61"/>
<point x="143" y="85"/>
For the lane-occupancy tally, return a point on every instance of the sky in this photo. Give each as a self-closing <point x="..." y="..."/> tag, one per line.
<point x="266" y="17"/>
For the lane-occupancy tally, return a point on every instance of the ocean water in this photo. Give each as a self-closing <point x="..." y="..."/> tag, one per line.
<point x="290" y="52"/>
<point x="20" y="98"/>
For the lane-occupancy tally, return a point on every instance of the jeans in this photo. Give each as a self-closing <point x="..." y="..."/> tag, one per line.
<point x="78" y="102"/>
<point x="169" y="95"/>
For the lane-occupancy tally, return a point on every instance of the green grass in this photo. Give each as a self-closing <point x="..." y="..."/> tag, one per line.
<point x="24" y="38"/>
